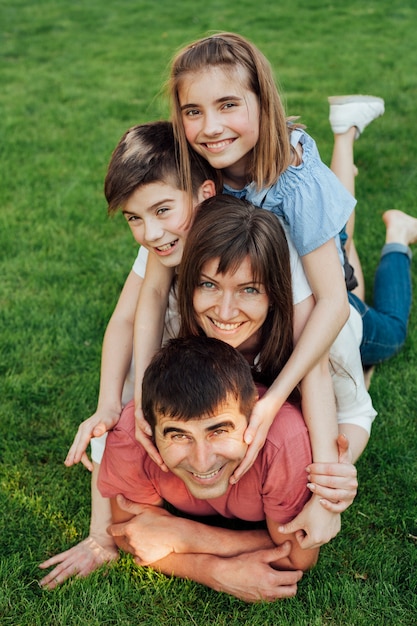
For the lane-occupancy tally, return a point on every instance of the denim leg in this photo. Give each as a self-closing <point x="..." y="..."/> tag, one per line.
<point x="385" y="324"/>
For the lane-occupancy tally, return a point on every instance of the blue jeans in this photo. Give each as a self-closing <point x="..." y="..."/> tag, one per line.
<point x="385" y="324"/>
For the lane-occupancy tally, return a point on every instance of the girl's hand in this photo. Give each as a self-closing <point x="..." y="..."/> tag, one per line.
<point x="95" y="426"/>
<point x="314" y="526"/>
<point x="143" y="434"/>
<point x="255" y="435"/>
<point x="80" y="561"/>
<point x="335" y="483"/>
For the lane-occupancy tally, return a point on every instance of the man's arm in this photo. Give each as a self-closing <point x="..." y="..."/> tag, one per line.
<point x="249" y="575"/>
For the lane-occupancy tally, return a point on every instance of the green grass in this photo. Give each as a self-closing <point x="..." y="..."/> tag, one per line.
<point x="74" y="75"/>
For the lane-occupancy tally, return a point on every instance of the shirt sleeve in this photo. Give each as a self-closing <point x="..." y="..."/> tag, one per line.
<point x="126" y="467"/>
<point x="139" y="266"/>
<point x="309" y="198"/>
<point x="286" y="456"/>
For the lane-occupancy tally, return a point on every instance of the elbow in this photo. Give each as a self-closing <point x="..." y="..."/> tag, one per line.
<point x="306" y="560"/>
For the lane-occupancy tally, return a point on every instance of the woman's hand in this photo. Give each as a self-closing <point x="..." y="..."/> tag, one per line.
<point x="335" y="483"/>
<point x="95" y="426"/>
<point x="143" y="434"/>
<point x="262" y="416"/>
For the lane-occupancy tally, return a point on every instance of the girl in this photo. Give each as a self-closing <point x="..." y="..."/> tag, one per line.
<point x="225" y="106"/>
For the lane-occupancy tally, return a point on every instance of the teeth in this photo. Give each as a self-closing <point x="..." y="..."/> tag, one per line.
<point x="219" y="144"/>
<point x="166" y="247"/>
<point x="206" y="476"/>
<point x="226" y="326"/>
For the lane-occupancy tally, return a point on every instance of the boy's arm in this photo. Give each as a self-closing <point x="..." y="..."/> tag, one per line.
<point x="85" y="557"/>
<point x="115" y="362"/>
<point x="148" y="333"/>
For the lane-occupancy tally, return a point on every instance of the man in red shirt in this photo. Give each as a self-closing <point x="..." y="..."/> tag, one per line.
<point x="197" y="395"/>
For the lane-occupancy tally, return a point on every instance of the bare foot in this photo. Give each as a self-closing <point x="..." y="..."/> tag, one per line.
<point x="401" y="228"/>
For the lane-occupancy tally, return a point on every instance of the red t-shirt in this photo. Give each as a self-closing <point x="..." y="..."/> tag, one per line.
<point x="274" y="487"/>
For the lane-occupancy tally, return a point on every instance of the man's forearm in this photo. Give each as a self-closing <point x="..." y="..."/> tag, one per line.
<point x="249" y="577"/>
<point x="153" y="533"/>
<point x="224" y="542"/>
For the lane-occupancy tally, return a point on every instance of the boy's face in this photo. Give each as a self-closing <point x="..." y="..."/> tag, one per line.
<point x="204" y="452"/>
<point x="159" y="217"/>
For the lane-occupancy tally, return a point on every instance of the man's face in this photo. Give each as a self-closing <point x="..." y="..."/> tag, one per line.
<point x="204" y="452"/>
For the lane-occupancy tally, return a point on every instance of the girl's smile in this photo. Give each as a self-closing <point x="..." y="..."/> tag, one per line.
<point x="221" y="119"/>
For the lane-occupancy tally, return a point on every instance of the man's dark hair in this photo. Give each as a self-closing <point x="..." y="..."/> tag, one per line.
<point x="190" y="378"/>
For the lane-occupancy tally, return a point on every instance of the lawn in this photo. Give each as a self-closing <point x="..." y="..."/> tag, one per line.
<point x="74" y="76"/>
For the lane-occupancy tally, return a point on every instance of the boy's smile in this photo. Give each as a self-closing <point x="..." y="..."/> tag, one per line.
<point x="159" y="217"/>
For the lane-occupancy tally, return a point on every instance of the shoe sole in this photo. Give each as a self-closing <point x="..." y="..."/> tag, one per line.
<point x="353" y="98"/>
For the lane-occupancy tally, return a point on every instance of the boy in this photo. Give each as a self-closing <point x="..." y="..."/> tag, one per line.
<point x="143" y="181"/>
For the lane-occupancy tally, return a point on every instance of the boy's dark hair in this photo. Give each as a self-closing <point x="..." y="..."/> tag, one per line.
<point x="148" y="153"/>
<point x="190" y="378"/>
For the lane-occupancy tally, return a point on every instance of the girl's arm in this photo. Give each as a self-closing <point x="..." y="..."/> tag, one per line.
<point x="115" y="362"/>
<point x="148" y="333"/>
<point x="316" y="324"/>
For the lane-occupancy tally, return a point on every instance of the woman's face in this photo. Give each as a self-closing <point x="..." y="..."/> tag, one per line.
<point x="230" y="307"/>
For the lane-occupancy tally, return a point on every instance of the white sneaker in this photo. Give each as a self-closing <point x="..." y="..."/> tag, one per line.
<point x="356" y="110"/>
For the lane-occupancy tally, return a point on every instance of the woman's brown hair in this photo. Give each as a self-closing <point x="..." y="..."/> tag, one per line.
<point x="229" y="229"/>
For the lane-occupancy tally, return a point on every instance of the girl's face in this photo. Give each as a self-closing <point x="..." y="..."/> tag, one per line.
<point x="221" y="119"/>
<point x="230" y="307"/>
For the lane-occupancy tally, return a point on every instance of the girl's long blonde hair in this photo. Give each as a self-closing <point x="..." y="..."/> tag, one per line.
<point x="272" y="154"/>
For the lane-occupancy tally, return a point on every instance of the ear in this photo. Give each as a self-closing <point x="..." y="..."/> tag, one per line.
<point x="206" y="190"/>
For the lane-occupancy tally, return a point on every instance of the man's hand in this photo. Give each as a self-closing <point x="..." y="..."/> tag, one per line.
<point x="95" y="426"/>
<point x="149" y="535"/>
<point x="335" y="483"/>
<point x="252" y="577"/>
<point x="143" y="434"/>
<point x="314" y="526"/>
<point x="80" y="560"/>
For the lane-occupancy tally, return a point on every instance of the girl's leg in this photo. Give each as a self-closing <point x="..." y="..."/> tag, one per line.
<point x="349" y="116"/>
<point x="385" y="325"/>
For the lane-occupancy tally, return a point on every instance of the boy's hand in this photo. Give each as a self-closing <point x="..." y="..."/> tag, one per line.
<point x="335" y="483"/>
<point x="95" y="426"/>
<point x="80" y="560"/>
<point x="143" y="434"/>
<point x="255" y="435"/>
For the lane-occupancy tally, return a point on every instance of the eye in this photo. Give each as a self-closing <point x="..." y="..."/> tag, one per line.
<point x="162" y="210"/>
<point x="207" y="284"/>
<point x="251" y="290"/>
<point x="229" y="105"/>
<point x="179" y="437"/>
<point x="132" y="218"/>
<point x="191" y="113"/>
<point x="219" y="432"/>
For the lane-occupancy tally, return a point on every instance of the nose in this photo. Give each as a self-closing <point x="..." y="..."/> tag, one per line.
<point x="226" y="307"/>
<point x="212" y="124"/>
<point x="202" y="457"/>
<point x="153" y="230"/>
